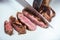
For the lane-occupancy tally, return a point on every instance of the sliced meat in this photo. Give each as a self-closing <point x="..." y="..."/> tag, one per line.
<point x="8" y="28"/>
<point x="26" y="21"/>
<point x="34" y="20"/>
<point x="32" y="12"/>
<point x="21" y="29"/>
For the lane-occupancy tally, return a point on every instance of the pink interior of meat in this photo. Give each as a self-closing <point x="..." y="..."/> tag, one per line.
<point x="8" y="26"/>
<point x="31" y="17"/>
<point x="25" y="20"/>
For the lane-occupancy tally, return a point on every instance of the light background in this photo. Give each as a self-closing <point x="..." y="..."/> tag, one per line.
<point x="12" y="7"/>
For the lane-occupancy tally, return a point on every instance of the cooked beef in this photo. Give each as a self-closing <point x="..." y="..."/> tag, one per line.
<point x="30" y="18"/>
<point x="33" y="12"/>
<point x="26" y="21"/>
<point x="34" y="20"/>
<point x="21" y="29"/>
<point x="8" y="28"/>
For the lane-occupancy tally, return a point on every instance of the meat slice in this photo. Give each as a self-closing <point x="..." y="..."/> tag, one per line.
<point x="8" y="28"/>
<point x="26" y="21"/>
<point x="32" y="12"/>
<point x="21" y="29"/>
<point x="34" y="20"/>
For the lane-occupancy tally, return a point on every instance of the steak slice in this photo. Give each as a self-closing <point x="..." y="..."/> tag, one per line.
<point x="21" y="29"/>
<point x="30" y="11"/>
<point x="31" y="26"/>
<point x="8" y="28"/>
<point x="34" y="20"/>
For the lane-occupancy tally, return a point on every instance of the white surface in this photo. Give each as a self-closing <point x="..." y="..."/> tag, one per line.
<point x="11" y="8"/>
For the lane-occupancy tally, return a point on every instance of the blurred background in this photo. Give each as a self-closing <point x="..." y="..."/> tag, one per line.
<point x="11" y="7"/>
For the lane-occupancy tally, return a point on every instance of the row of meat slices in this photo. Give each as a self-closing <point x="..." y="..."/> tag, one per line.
<point x="24" y="21"/>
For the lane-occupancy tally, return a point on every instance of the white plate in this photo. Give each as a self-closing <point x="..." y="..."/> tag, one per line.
<point x="8" y="9"/>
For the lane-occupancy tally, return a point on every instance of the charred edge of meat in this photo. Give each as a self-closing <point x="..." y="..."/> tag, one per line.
<point x="21" y="29"/>
<point x="32" y="12"/>
<point x="7" y="32"/>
